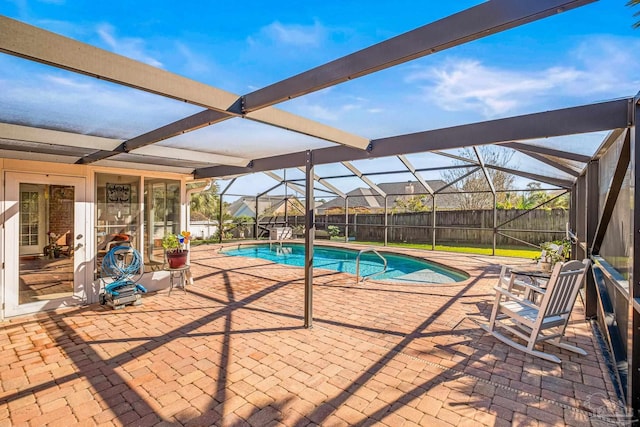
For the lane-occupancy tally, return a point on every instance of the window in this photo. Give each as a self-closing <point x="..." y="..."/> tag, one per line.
<point x="29" y="218"/>
<point x="117" y="211"/>
<point x="162" y="216"/>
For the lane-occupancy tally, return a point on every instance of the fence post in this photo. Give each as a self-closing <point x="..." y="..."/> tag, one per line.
<point x="355" y="224"/>
<point x="433" y="223"/>
<point x="256" y="227"/>
<point x="495" y="223"/>
<point x="346" y="219"/>
<point x="385" y="220"/>
<point x="220" y="221"/>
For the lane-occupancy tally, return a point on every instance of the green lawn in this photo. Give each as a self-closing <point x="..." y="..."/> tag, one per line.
<point x="482" y="250"/>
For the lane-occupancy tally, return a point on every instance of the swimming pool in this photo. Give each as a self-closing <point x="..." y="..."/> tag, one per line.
<point x="401" y="268"/>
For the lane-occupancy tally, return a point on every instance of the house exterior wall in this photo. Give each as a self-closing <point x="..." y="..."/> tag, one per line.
<point x="203" y="229"/>
<point x="61" y="213"/>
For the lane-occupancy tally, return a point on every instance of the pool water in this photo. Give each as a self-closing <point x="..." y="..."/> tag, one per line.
<point x="400" y="268"/>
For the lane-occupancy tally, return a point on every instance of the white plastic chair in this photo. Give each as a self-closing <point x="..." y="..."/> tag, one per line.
<point x="545" y="321"/>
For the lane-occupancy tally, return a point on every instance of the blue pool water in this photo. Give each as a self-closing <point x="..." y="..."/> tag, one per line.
<point x="400" y="268"/>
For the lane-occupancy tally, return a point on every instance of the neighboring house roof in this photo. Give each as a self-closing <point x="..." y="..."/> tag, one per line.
<point x="367" y="198"/>
<point x="272" y="204"/>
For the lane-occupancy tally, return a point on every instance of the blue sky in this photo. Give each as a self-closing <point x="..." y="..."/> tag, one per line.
<point x="577" y="57"/>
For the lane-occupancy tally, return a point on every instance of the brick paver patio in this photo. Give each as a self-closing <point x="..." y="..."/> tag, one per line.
<point x="233" y="352"/>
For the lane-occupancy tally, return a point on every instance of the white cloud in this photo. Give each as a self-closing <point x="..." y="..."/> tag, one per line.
<point x="601" y="66"/>
<point x="330" y="106"/>
<point x="129" y="46"/>
<point x="193" y="62"/>
<point x="322" y="113"/>
<point x="469" y="85"/>
<point x="295" y="34"/>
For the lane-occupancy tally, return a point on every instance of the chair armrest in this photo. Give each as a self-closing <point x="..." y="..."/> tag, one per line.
<point x="514" y="297"/>
<point x="532" y="287"/>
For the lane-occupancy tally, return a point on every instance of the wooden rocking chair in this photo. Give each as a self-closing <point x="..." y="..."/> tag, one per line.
<point x="545" y="321"/>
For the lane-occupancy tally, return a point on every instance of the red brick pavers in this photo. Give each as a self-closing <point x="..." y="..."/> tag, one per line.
<point x="233" y="352"/>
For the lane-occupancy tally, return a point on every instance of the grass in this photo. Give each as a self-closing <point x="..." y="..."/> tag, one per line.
<point x="518" y="252"/>
<point x="481" y="250"/>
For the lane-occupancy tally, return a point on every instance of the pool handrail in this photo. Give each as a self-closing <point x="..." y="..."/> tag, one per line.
<point x="278" y="234"/>
<point x="372" y="274"/>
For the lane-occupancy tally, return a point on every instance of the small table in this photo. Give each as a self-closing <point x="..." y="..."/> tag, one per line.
<point x="538" y="278"/>
<point x="178" y="274"/>
<point x="533" y="273"/>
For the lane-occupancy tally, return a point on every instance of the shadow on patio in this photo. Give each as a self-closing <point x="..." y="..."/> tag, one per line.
<point x="233" y="352"/>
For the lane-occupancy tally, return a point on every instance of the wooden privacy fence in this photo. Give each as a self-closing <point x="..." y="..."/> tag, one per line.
<point x="513" y="227"/>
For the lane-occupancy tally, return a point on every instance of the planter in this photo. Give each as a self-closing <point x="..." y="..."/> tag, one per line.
<point x="177" y="259"/>
<point x="546" y="266"/>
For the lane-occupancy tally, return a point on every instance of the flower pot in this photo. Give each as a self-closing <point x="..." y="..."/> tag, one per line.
<point x="177" y="259"/>
<point x="546" y="266"/>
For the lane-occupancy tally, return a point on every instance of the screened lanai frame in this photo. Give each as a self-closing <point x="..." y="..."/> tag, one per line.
<point x="343" y="213"/>
<point x="594" y="189"/>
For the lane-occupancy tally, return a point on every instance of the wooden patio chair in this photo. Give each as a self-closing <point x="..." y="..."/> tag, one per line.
<point x="545" y="321"/>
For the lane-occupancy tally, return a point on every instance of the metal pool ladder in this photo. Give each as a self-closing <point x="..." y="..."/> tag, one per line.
<point x="372" y="274"/>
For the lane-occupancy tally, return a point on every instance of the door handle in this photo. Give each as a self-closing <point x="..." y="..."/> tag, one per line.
<point x="78" y="246"/>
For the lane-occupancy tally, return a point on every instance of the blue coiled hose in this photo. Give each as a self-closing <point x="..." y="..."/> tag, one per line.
<point x="121" y="263"/>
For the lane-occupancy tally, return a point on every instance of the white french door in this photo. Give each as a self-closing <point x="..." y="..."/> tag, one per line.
<point x="45" y="229"/>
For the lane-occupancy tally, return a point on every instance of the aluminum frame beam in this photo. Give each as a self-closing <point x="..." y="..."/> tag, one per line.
<point x="449" y="184"/>
<point x="591" y="185"/>
<point x="364" y="179"/>
<point x="608" y="141"/>
<point x="415" y="173"/>
<point x="546" y="151"/>
<point x="281" y="180"/>
<point x="484" y="171"/>
<point x="193" y="122"/>
<point x="32" y="43"/>
<point x="633" y="328"/>
<point x="567" y="121"/>
<point x="56" y="137"/>
<point x="553" y="164"/>
<point x="563" y="183"/>
<point x="327" y="184"/>
<point x="37" y="44"/>
<point x="191" y="155"/>
<point x="530" y="210"/>
<point x="309" y="237"/>
<point x="471" y="24"/>
<point x="280" y="183"/>
<point x="612" y="195"/>
<point x="110" y="146"/>
<point x="459" y="158"/>
<point x="223" y="192"/>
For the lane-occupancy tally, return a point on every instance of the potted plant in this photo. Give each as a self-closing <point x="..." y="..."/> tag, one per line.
<point x="53" y="250"/>
<point x="553" y="252"/>
<point x="176" y="248"/>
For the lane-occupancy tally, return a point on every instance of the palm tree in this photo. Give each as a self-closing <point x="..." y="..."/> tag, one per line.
<point x="206" y="203"/>
<point x="635" y="3"/>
